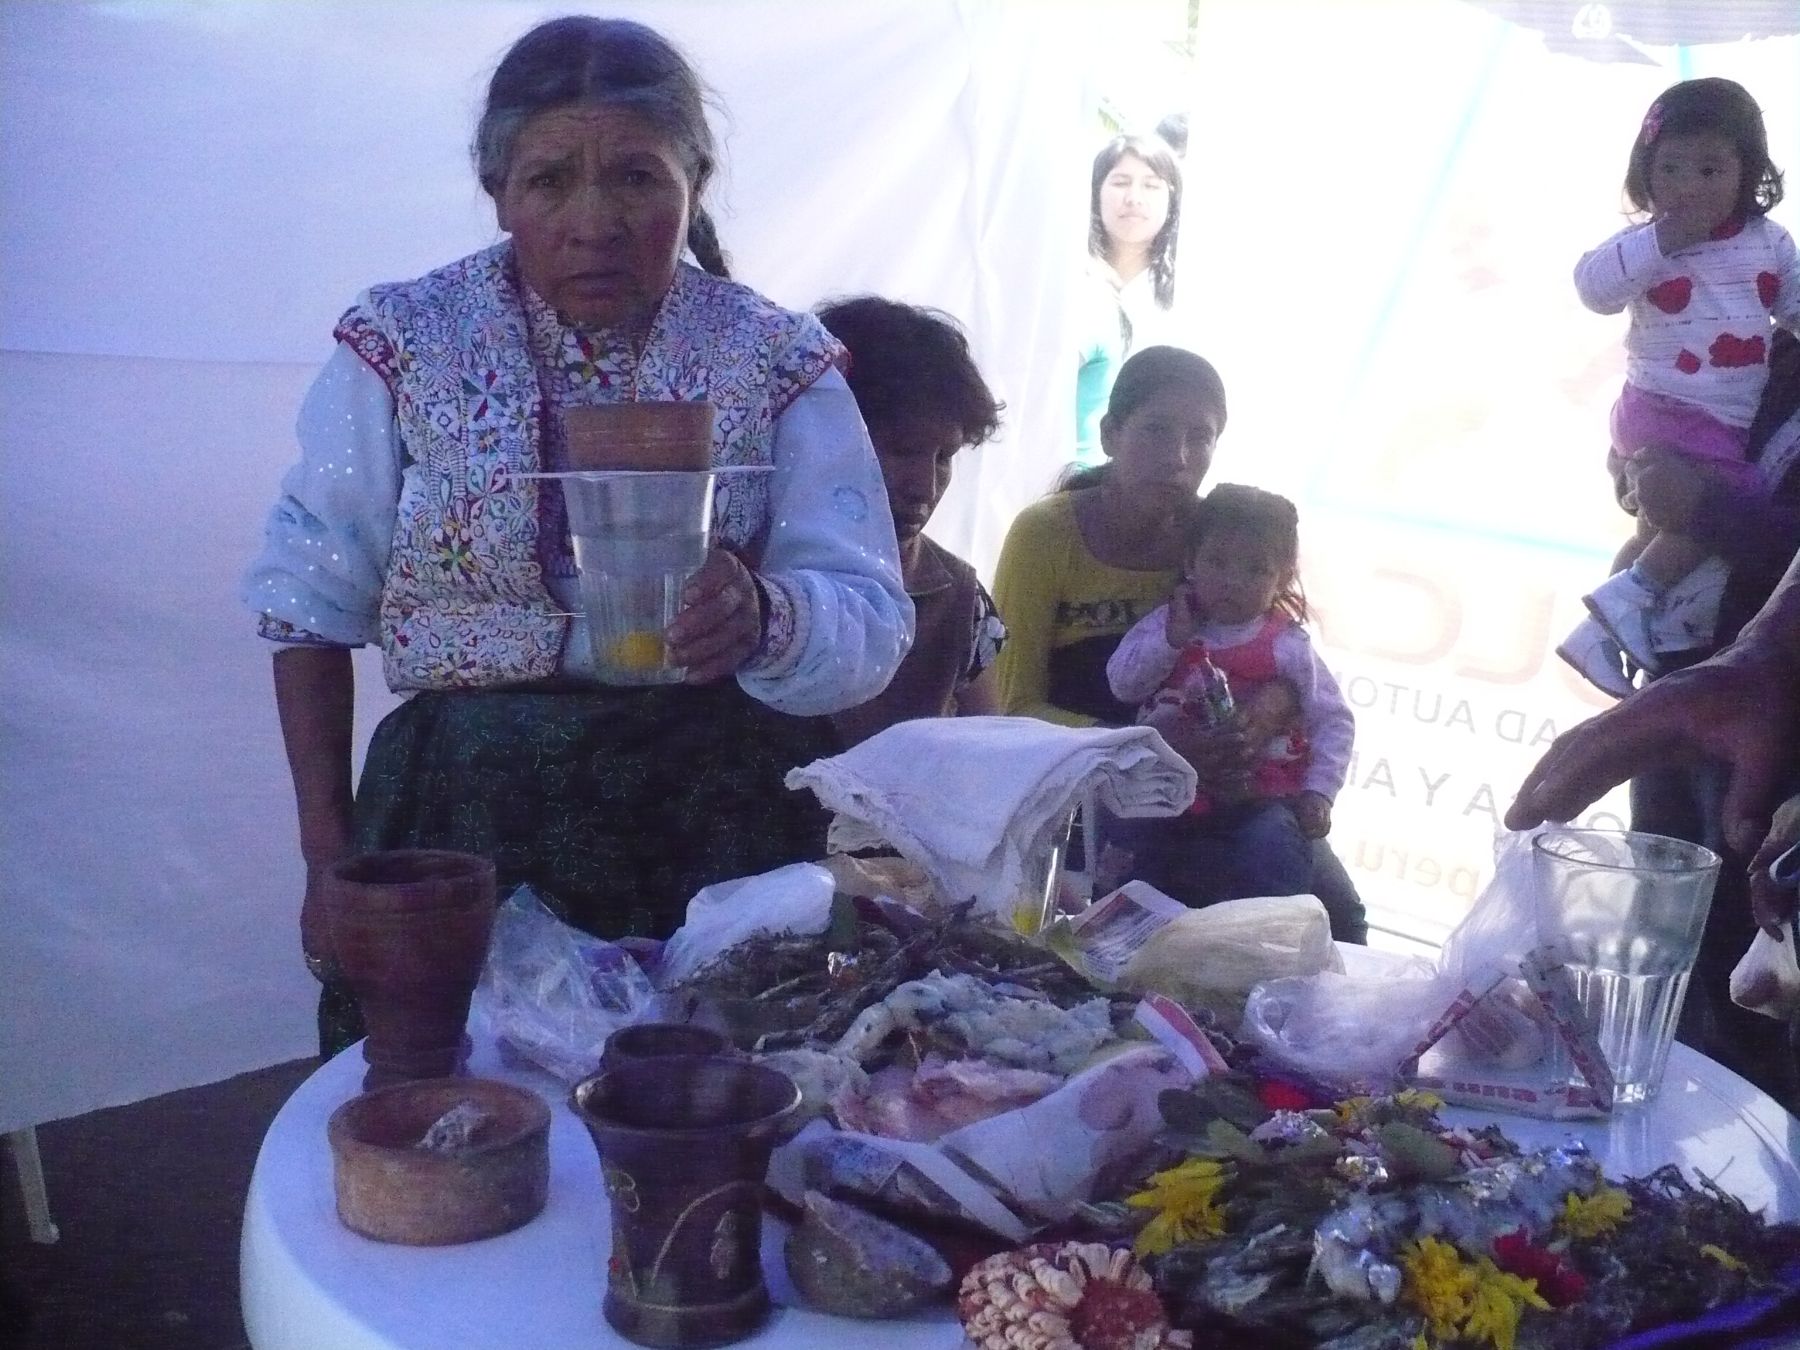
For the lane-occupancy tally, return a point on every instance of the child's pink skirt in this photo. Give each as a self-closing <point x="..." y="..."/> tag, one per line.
<point x="1641" y="419"/>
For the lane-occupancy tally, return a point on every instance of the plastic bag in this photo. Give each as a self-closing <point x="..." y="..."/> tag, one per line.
<point x="1213" y="957"/>
<point x="1362" y="1030"/>
<point x="1767" y="979"/>
<point x="551" y="994"/>
<point x="791" y="899"/>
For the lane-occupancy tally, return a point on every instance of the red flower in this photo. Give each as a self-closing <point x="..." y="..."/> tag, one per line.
<point x="1559" y="1282"/>
<point x="1278" y="1095"/>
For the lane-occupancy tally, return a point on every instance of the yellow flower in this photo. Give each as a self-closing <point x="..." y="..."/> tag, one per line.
<point x="1723" y="1257"/>
<point x="1184" y="1200"/>
<point x="1420" y="1343"/>
<point x="1500" y="1300"/>
<point x="1463" y="1300"/>
<point x="1419" y="1099"/>
<point x="1594" y="1215"/>
<point x="1438" y="1284"/>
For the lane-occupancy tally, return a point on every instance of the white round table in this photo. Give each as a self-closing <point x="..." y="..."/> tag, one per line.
<point x="309" y="1283"/>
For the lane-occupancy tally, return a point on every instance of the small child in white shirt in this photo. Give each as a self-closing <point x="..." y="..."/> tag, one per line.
<point x="1702" y="280"/>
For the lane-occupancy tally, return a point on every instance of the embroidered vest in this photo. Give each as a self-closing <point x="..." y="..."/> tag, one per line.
<point x="464" y="604"/>
<point x="1281" y="769"/>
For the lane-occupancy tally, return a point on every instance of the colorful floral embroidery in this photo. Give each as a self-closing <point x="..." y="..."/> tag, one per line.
<point x="472" y="362"/>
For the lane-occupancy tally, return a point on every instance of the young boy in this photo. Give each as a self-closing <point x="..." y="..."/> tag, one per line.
<point x="923" y="400"/>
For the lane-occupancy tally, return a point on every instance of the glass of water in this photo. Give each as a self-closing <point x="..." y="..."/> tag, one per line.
<point x="1623" y="912"/>
<point x="638" y="537"/>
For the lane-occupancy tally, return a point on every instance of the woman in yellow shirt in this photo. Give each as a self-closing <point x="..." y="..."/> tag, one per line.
<point x="1080" y="567"/>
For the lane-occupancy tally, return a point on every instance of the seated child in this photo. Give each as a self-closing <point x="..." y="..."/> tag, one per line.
<point x="923" y="400"/>
<point x="1237" y="612"/>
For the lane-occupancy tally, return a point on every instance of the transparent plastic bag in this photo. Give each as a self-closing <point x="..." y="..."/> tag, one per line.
<point x="1213" y="957"/>
<point x="551" y="994"/>
<point x="1767" y="979"/>
<point x="1364" y="1028"/>
<point x="791" y="899"/>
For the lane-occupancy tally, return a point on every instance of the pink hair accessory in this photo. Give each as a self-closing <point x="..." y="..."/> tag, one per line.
<point x="1652" y="123"/>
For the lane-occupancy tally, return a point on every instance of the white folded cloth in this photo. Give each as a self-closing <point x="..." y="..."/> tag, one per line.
<point x="975" y="801"/>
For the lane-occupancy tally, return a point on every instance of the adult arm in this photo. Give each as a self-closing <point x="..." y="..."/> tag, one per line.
<point x="314" y="697"/>
<point x="1741" y="707"/>
<point x="327" y="540"/>
<point x="1143" y="658"/>
<point x="838" y="619"/>
<point x="1613" y="275"/>
<point x="1027" y="586"/>
<point x="317" y="587"/>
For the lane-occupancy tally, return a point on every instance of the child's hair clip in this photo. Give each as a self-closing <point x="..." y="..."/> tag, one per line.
<point x="1652" y="123"/>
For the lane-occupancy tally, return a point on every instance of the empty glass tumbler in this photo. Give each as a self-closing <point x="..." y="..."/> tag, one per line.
<point x="1623" y="912"/>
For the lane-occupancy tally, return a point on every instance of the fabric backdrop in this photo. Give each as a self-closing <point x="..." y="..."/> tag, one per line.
<point x="194" y="192"/>
<point x="1384" y="200"/>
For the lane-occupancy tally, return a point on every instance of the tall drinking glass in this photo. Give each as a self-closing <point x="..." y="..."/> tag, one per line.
<point x="638" y="537"/>
<point x="1623" y="912"/>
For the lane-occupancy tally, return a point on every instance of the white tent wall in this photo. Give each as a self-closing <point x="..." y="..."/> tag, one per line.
<point x="194" y="193"/>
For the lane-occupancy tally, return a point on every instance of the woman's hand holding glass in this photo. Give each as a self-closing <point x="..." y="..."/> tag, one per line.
<point x="721" y="620"/>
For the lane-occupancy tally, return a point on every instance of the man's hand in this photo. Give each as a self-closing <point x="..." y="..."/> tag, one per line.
<point x="1773" y="904"/>
<point x="1740" y="711"/>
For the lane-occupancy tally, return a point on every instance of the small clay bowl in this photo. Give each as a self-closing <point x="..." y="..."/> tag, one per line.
<point x="653" y="1040"/>
<point x="390" y="1189"/>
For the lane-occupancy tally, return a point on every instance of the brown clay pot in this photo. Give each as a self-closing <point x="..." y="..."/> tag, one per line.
<point x="652" y="435"/>
<point x="684" y="1145"/>
<point x="390" y="1189"/>
<point x="651" y="1040"/>
<point x="410" y="931"/>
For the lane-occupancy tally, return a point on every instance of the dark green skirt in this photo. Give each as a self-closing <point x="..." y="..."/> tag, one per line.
<point x="615" y="805"/>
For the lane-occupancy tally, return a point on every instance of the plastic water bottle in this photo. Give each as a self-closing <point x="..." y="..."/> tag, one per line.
<point x="1212" y="697"/>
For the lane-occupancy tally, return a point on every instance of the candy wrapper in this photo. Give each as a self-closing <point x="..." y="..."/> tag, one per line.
<point x="1507" y="1082"/>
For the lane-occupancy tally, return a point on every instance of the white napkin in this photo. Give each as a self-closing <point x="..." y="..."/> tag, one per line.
<point x="973" y="800"/>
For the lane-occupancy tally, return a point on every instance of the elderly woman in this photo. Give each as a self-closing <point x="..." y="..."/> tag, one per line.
<point x="409" y="522"/>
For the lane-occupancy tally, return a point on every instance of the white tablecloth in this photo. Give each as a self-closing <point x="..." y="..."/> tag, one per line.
<point x="309" y="1283"/>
